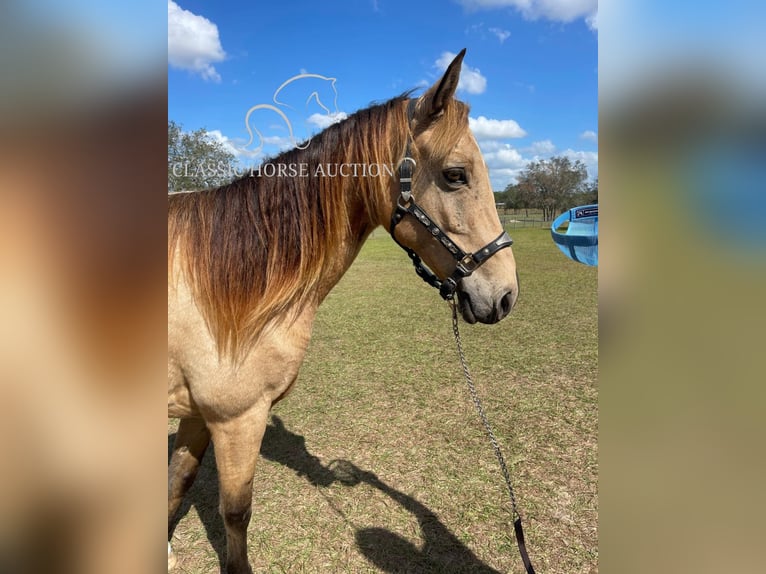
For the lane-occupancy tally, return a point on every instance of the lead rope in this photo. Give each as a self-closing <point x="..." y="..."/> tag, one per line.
<point x="517" y="527"/>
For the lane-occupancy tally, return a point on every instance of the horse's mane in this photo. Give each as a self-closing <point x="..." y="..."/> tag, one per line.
<point x="256" y="247"/>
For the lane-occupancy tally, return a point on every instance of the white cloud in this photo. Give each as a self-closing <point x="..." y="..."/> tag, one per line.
<point x="544" y="147"/>
<point x="592" y="21"/>
<point x="503" y="160"/>
<point x="230" y="146"/>
<point x="501" y="178"/>
<point x="193" y="43"/>
<point x="475" y="28"/>
<point x="506" y="162"/>
<point x="490" y="145"/>
<point x="471" y="80"/>
<point x="504" y="166"/>
<point x="487" y="129"/>
<point x="508" y="157"/>
<point x="589" y="135"/>
<point x="325" y="120"/>
<point x="504" y="157"/>
<point x="501" y="34"/>
<point x="281" y="142"/>
<point x="556" y="10"/>
<point x="479" y="29"/>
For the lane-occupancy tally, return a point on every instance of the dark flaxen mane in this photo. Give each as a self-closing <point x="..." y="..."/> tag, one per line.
<point x="253" y="249"/>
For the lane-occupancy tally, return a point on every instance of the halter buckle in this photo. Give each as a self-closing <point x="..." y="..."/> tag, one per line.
<point x="467" y="264"/>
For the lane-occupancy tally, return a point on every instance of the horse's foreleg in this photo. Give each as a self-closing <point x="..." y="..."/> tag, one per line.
<point x="237" y="443"/>
<point x="189" y="447"/>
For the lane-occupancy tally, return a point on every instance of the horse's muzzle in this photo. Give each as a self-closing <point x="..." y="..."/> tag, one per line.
<point x="488" y="314"/>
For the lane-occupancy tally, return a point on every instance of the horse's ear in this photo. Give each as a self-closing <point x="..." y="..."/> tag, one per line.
<point x="438" y="96"/>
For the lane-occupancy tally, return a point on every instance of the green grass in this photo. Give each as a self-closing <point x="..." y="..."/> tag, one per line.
<point x="417" y="488"/>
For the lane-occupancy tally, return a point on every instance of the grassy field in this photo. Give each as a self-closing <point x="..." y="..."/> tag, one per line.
<point x="377" y="461"/>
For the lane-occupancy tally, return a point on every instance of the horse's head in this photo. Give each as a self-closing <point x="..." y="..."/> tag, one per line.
<point x="451" y="185"/>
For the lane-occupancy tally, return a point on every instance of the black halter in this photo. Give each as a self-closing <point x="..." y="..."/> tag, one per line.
<point x="466" y="263"/>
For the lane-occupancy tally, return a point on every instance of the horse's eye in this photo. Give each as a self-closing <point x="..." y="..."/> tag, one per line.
<point x="455" y="176"/>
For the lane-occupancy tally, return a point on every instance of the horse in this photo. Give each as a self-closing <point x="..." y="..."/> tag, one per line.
<point x="249" y="263"/>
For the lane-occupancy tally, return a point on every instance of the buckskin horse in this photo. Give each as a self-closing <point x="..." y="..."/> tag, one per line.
<point x="249" y="263"/>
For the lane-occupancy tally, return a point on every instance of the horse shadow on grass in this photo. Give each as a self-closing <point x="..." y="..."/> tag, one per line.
<point x="441" y="551"/>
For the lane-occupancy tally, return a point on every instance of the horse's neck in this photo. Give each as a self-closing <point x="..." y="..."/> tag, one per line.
<point x="370" y="205"/>
<point x="361" y="225"/>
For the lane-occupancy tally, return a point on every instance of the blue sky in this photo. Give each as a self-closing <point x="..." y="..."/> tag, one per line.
<point x="530" y="72"/>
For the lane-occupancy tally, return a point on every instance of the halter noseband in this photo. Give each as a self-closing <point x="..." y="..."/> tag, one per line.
<point x="466" y="263"/>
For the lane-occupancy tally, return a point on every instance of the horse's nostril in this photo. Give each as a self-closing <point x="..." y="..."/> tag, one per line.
<point x="506" y="303"/>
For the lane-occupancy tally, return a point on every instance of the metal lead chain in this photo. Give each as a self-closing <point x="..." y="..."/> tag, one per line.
<point x="517" y="526"/>
<point x="480" y="409"/>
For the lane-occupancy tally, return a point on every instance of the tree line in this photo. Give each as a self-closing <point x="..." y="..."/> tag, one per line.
<point x="196" y="160"/>
<point x="551" y="185"/>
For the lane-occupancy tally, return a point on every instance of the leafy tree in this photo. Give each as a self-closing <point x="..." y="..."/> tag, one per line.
<point x="507" y="197"/>
<point x="501" y="199"/>
<point x="588" y="195"/>
<point x="522" y="196"/>
<point x="196" y="160"/>
<point x="552" y="184"/>
<point x="591" y="192"/>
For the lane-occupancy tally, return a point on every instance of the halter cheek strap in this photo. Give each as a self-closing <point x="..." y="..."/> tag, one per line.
<point x="466" y="263"/>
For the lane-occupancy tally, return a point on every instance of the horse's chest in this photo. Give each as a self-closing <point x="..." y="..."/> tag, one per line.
<point x="180" y="402"/>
